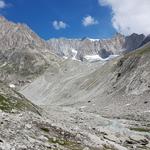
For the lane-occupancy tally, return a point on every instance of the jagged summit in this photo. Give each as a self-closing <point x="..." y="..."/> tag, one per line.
<point x="2" y="18"/>
<point x="86" y="46"/>
<point x="146" y="40"/>
<point x="95" y="47"/>
<point x="18" y="35"/>
<point x="81" y="99"/>
<point x="23" y="54"/>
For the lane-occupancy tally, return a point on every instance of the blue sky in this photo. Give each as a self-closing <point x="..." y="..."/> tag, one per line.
<point x="40" y="15"/>
<point x="79" y="18"/>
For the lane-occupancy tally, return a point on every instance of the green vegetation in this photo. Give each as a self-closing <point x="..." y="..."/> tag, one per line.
<point x="66" y="143"/>
<point x="9" y="103"/>
<point x="143" y="51"/>
<point x="108" y="147"/>
<point x="137" y="53"/>
<point x="140" y="129"/>
<point x="129" y="61"/>
<point x="69" y="144"/>
<point x="5" y="105"/>
<point x="45" y="129"/>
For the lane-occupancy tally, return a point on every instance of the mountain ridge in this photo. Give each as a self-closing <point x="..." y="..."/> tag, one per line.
<point x="78" y="105"/>
<point x="112" y="46"/>
<point x="23" y="54"/>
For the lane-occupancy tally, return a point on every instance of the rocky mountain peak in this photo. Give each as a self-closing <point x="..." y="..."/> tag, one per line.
<point x="146" y="40"/>
<point x="17" y="35"/>
<point x="23" y="54"/>
<point x="133" y="41"/>
<point x="87" y="46"/>
<point x="2" y="19"/>
<point x="84" y="105"/>
<point x="97" y="47"/>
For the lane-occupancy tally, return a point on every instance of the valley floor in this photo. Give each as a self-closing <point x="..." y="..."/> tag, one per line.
<point x="67" y="128"/>
<point x="99" y="132"/>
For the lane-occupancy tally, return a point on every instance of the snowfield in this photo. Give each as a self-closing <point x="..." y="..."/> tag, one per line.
<point x="93" y="58"/>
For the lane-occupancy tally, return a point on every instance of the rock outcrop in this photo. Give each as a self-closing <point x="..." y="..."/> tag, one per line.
<point x="23" y="54"/>
<point x="87" y="46"/>
<point x="146" y="40"/>
<point x="133" y="42"/>
<point x="102" y="47"/>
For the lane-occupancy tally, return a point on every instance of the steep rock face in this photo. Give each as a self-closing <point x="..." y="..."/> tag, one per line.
<point x="133" y="41"/>
<point x="86" y="46"/>
<point x="18" y="36"/>
<point x="146" y="40"/>
<point x="104" y="48"/>
<point x="104" y="54"/>
<point x="23" y="55"/>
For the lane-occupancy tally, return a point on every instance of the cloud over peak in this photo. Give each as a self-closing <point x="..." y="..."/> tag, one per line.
<point x="130" y="16"/>
<point x="59" y="25"/>
<point x="88" y="21"/>
<point x="2" y="4"/>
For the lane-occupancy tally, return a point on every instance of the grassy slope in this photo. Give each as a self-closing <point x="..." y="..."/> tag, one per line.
<point x="12" y="100"/>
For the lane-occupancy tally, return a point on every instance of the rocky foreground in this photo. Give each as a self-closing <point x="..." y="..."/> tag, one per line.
<point x="67" y="129"/>
<point x="25" y="126"/>
<point x="47" y="102"/>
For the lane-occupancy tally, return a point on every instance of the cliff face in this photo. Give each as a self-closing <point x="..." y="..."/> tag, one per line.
<point x="133" y="41"/>
<point x="104" y="48"/>
<point x="86" y="46"/>
<point x="18" y="36"/>
<point x="23" y="54"/>
<point x="146" y="40"/>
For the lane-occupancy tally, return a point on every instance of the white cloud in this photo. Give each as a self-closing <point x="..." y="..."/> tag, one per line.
<point x="59" y="25"/>
<point x="130" y="16"/>
<point x="88" y="21"/>
<point x="2" y="4"/>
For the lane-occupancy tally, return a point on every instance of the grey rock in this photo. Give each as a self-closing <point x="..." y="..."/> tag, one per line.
<point x="102" y="47"/>
<point x="112" y="138"/>
<point x="133" y="41"/>
<point x="104" y="54"/>
<point x="117" y="88"/>
<point x="148" y="145"/>
<point x="43" y="138"/>
<point x="137" y="138"/>
<point x="146" y="40"/>
<point x="86" y="148"/>
<point x="28" y="126"/>
<point x="87" y="46"/>
<point x="22" y="147"/>
<point x="54" y="139"/>
<point x="23" y="54"/>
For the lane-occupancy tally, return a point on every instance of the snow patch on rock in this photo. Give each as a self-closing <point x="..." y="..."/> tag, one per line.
<point x="92" y="58"/>
<point x="65" y="57"/>
<point x="12" y="85"/>
<point x="74" y="53"/>
<point x="93" y="40"/>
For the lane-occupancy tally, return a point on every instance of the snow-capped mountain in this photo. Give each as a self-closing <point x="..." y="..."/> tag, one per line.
<point x="87" y="46"/>
<point x="95" y="49"/>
